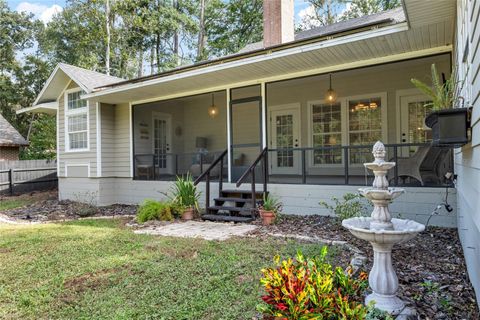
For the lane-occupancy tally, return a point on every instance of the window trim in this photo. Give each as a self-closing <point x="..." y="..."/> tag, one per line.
<point x="345" y="121"/>
<point x="75" y="112"/>
<point x="343" y="132"/>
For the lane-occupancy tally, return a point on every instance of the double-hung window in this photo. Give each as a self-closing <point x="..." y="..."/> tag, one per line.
<point x="76" y="122"/>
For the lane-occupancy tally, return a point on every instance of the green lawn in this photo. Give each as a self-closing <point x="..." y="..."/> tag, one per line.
<point x="97" y="269"/>
<point x="11" y="203"/>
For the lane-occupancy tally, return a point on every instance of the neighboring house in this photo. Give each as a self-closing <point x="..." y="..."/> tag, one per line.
<point x="126" y="140"/>
<point x="10" y="141"/>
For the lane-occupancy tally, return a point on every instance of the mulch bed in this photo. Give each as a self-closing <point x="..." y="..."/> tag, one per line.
<point x="49" y="208"/>
<point x="431" y="267"/>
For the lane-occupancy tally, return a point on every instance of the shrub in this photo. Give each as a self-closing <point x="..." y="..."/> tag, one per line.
<point x="156" y="210"/>
<point x="185" y="193"/>
<point x="350" y="206"/>
<point x="270" y="203"/>
<point x="310" y="288"/>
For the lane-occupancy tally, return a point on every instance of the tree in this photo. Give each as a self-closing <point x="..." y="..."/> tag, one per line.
<point x="326" y="12"/>
<point x="232" y="25"/>
<point x="358" y="8"/>
<point x="321" y="13"/>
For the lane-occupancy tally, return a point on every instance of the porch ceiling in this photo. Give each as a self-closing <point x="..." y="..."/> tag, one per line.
<point x="430" y="31"/>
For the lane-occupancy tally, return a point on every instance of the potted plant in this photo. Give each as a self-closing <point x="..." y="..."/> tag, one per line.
<point x="269" y="209"/>
<point x="449" y="125"/>
<point x="185" y="196"/>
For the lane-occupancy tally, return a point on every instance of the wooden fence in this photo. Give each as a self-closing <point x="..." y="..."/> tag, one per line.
<point x="27" y="175"/>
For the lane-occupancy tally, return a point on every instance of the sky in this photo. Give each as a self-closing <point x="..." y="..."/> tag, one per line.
<point x="45" y="9"/>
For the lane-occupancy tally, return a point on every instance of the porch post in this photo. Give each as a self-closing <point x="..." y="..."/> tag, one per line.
<point x="264" y="115"/>
<point x="229" y="145"/>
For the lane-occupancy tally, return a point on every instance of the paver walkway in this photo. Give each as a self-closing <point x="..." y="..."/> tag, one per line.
<point x="198" y="229"/>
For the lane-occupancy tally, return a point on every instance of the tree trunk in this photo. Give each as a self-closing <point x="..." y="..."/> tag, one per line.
<point x="157" y="50"/>
<point x="201" y="32"/>
<point x="175" y="39"/>
<point x="140" y="63"/>
<point x="152" y="60"/>
<point x="107" y="54"/>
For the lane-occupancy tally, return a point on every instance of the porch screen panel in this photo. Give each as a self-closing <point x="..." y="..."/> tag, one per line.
<point x="365" y="127"/>
<point x="327" y="132"/>
<point x="246" y="131"/>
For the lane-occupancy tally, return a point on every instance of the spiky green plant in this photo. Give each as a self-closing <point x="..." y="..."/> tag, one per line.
<point x="185" y="193"/>
<point x="444" y="95"/>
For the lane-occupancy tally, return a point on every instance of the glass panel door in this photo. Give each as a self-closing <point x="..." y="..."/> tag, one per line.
<point x="161" y="143"/>
<point x="413" y="111"/>
<point x="285" y="136"/>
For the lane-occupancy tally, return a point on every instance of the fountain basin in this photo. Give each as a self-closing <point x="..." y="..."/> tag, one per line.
<point x="383" y="166"/>
<point x="403" y="230"/>
<point x="379" y="194"/>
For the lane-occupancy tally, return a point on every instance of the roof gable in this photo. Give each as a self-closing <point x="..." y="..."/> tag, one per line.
<point x="87" y="80"/>
<point x="9" y="136"/>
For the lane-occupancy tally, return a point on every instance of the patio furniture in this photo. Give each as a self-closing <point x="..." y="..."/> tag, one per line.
<point x="410" y="166"/>
<point x="144" y="168"/>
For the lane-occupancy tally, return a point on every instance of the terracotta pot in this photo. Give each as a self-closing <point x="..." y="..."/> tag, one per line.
<point x="267" y="217"/>
<point x="188" y="214"/>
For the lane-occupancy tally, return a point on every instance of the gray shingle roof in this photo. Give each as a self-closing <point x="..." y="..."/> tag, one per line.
<point x="9" y="136"/>
<point x="395" y="15"/>
<point x="87" y="78"/>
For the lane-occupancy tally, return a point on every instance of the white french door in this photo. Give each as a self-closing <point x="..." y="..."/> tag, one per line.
<point x="413" y="111"/>
<point x="161" y="142"/>
<point x="285" y="134"/>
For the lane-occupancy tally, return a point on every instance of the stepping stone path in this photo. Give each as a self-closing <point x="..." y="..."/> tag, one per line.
<point x="199" y="229"/>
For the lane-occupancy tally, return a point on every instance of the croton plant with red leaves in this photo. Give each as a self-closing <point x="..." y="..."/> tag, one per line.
<point x="310" y="288"/>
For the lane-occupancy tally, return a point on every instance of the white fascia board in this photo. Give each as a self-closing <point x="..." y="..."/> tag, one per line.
<point x="311" y="72"/>
<point x="267" y="56"/>
<point x="50" y="78"/>
<point x="47" y="107"/>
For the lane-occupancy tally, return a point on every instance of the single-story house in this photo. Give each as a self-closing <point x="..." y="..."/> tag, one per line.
<point x="299" y="111"/>
<point x="10" y="141"/>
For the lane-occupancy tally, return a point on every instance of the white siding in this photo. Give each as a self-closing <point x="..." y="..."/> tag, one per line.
<point x="85" y="158"/>
<point x="467" y="159"/>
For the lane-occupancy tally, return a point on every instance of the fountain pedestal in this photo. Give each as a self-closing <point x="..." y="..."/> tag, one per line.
<point x="383" y="233"/>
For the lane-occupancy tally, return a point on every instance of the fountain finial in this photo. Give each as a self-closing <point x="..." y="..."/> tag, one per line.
<point x="379" y="152"/>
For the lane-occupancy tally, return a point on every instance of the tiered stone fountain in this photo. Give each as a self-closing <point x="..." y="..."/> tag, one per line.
<point x="383" y="233"/>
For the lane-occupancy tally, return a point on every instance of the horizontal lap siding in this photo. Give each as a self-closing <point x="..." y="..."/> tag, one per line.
<point x="108" y="140"/>
<point x="88" y="157"/>
<point x="122" y="165"/>
<point x="467" y="159"/>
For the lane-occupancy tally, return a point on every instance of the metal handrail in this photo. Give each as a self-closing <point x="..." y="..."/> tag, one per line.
<point x="207" y="175"/>
<point x="210" y="168"/>
<point x="252" y="167"/>
<point x="251" y="171"/>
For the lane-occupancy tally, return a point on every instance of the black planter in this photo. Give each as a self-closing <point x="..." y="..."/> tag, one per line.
<point x="449" y="127"/>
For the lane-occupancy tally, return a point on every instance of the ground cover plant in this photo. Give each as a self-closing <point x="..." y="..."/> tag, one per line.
<point x="157" y="210"/>
<point x="310" y="288"/>
<point x="98" y="269"/>
<point x="6" y="204"/>
<point x="349" y="206"/>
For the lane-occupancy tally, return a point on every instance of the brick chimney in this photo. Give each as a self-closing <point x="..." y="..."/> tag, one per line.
<point x="278" y="22"/>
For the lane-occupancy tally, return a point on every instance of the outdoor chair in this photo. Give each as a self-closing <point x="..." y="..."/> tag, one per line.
<point x="144" y="168"/>
<point x="410" y="166"/>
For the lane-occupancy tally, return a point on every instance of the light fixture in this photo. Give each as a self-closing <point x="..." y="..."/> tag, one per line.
<point x="213" y="110"/>
<point x="331" y="95"/>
